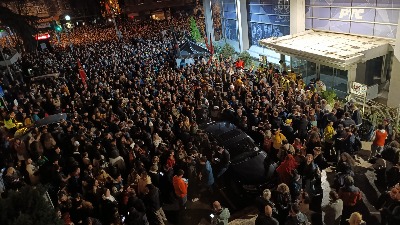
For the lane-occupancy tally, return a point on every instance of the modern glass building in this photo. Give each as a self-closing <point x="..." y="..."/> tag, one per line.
<point x="337" y="41"/>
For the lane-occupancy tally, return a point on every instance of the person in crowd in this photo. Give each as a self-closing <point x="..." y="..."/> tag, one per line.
<point x="356" y="219"/>
<point x="312" y="181"/>
<point x="296" y="216"/>
<point x="222" y="161"/>
<point x="282" y="200"/>
<point x="206" y="176"/>
<point x="379" y="139"/>
<point x="265" y="200"/>
<point x="266" y="218"/>
<point x="333" y="210"/>
<point x="388" y="205"/>
<point x="221" y="215"/>
<point x="180" y="187"/>
<point x="345" y="167"/>
<point x="339" y="142"/>
<point x="387" y="123"/>
<point x="286" y="168"/>
<point x="351" y="196"/>
<point x="155" y="214"/>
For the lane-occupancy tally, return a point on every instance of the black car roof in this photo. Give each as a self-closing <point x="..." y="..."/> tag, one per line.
<point x="230" y="137"/>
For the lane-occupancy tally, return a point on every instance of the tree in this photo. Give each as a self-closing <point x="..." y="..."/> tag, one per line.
<point x="227" y="51"/>
<point x="247" y="59"/>
<point x="194" y="30"/>
<point x="27" y="207"/>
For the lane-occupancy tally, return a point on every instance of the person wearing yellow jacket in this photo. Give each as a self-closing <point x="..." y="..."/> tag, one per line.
<point x="329" y="132"/>
<point x="9" y="123"/>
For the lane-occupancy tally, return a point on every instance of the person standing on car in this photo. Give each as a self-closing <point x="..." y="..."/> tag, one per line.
<point x="221" y="215"/>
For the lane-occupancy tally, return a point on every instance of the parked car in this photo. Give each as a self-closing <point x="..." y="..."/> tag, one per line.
<point x="24" y="132"/>
<point x="247" y="171"/>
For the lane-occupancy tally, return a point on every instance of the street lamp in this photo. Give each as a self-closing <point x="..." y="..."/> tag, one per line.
<point x="67" y="18"/>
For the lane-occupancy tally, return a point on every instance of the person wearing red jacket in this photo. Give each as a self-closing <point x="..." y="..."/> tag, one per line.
<point x="351" y="196"/>
<point x="180" y="188"/>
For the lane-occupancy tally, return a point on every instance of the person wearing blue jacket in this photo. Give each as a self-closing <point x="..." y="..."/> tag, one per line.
<point x="206" y="176"/>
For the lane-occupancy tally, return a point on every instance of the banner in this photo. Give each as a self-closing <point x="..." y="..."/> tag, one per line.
<point x="82" y="74"/>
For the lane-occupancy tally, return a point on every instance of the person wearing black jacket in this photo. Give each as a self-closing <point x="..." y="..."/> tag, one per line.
<point x="265" y="217"/>
<point x="154" y="212"/>
<point x="222" y="161"/>
<point x="282" y="200"/>
<point x="347" y="121"/>
<point x="265" y="200"/>
<point x="339" y="139"/>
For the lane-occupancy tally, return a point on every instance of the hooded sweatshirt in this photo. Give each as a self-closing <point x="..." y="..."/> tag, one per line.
<point x="221" y="218"/>
<point x="298" y="219"/>
<point x="180" y="186"/>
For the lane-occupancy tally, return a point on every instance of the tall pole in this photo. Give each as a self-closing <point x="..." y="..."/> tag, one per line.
<point x="5" y="60"/>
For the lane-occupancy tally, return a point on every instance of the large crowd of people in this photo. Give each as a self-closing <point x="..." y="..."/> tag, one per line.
<point x="132" y="142"/>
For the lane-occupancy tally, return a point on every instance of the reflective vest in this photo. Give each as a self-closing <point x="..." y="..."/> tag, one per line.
<point x="9" y="124"/>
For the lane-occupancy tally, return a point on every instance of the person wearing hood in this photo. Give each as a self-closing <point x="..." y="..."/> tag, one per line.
<point x="296" y="217"/>
<point x="379" y="141"/>
<point x="221" y="215"/>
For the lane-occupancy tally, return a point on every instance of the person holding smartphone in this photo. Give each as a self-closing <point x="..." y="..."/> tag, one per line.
<point x="180" y="188"/>
<point x="221" y="215"/>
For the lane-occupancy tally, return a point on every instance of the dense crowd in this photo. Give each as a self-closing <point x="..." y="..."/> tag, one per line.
<point x="132" y="142"/>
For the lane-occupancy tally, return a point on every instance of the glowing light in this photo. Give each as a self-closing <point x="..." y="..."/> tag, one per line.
<point x="42" y="37"/>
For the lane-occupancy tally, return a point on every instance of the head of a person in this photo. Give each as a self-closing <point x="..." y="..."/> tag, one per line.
<point x="333" y="195"/>
<point x="394" y="192"/>
<point x="267" y="194"/>
<point x="180" y="173"/>
<point x="355" y="218"/>
<point x="283" y="188"/>
<point x="203" y="160"/>
<point x="295" y="208"/>
<point x="317" y="150"/>
<point x="268" y="211"/>
<point x="348" y="181"/>
<point x="309" y="158"/>
<point x="217" y="206"/>
<point x="143" y="175"/>
<point x="380" y="127"/>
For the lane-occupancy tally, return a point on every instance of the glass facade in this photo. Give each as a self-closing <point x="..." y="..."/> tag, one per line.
<point x="333" y="78"/>
<point x="229" y="20"/>
<point x="268" y="18"/>
<point x="366" y="17"/>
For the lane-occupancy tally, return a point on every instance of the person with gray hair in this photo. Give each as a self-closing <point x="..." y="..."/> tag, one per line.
<point x="265" y="200"/>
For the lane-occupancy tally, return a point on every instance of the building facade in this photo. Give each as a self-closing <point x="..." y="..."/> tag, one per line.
<point x="267" y="27"/>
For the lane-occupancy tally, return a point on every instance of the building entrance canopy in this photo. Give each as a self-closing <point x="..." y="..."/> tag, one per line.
<point x="341" y="51"/>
